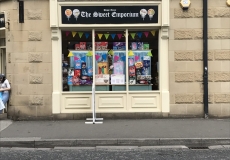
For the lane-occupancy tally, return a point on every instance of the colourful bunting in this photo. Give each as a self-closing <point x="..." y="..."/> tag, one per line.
<point x="76" y="58"/>
<point x="153" y="33"/>
<point x="70" y="54"/>
<point x="136" y="58"/>
<point x="89" y="54"/>
<point x="139" y="34"/>
<point x="119" y="36"/>
<point x="146" y="34"/>
<point x="131" y="53"/>
<point x="99" y="35"/>
<point x="83" y="59"/>
<point x="113" y="35"/>
<point x="67" y="33"/>
<point x="123" y="58"/>
<point x="106" y="36"/>
<point x="97" y="57"/>
<point x="80" y="34"/>
<point x="116" y="58"/>
<point x="149" y="54"/>
<point x="124" y="34"/>
<point x="104" y="57"/>
<point x="74" y="33"/>
<point x="133" y="35"/>
<point x="110" y="52"/>
<point x="86" y="35"/>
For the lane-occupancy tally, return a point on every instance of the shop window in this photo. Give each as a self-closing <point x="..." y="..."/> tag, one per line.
<point x="119" y="62"/>
<point x="77" y="60"/>
<point x="110" y="61"/>
<point x="143" y="60"/>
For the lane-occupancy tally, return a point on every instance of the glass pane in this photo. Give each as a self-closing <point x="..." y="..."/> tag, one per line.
<point x="143" y="60"/>
<point x="110" y="61"/>
<point x="77" y="60"/>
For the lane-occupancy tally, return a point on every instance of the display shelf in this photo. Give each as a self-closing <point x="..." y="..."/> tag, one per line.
<point x="81" y="88"/>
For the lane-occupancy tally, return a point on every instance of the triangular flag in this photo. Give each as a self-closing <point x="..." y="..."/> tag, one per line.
<point x="149" y="54"/>
<point x="67" y="33"/>
<point x="146" y="34"/>
<point x="99" y="35"/>
<point x="153" y="33"/>
<point x="86" y="35"/>
<point x="80" y="34"/>
<point x="74" y="33"/>
<point x="89" y="54"/>
<point x="111" y="52"/>
<point x="113" y="35"/>
<point x="70" y="54"/>
<point x="133" y="35"/>
<point x="119" y="36"/>
<point x="131" y="53"/>
<point x="106" y="36"/>
<point x="125" y="34"/>
<point x="139" y="34"/>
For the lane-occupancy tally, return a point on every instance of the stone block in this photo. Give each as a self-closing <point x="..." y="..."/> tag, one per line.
<point x="34" y="36"/>
<point x="36" y="100"/>
<point x="184" y="98"/>
<point x="35" y="14"/>
<point x="23" y="112"/>
<point x="198" y="13"/>
<point x="183" y="55"/>
<point x="222" y="55"/>
<point x="212" y="12"/>
<point x="35" y="57"/>
<point x="225" y="110"/>
<point x="214" y="110"/>
<point x="198" y="77"/>
<point x="222" y="12"/>
<point x="184" y="77"/>
<point x="36" y="79"/>
<point x="172" y="98"/>
<point x="198" y="34"/>
<point x="178" y="109"/>
<point x="221" y="34"/>
<point x="195" y="109"/>
<point x="183" y="34"/>
<point x="222" y="98"/>
<point x="44" y="110"/>
<point x="178" y="66"/>
<point x="221" y="77"/>
<point x="180" y="13"/>
<point x="199" y="98"/>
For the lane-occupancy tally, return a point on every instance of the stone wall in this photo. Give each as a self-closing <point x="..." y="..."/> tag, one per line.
<point x="185" y="59"/>
<point x="29" y="67"/>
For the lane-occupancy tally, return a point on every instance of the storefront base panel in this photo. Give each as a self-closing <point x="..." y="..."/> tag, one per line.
<point x="111" y="103"/>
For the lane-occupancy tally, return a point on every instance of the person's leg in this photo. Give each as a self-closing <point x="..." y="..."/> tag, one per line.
<point x="5" y="97"/>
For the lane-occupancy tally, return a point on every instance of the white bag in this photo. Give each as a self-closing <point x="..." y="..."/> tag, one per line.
<point x="2" y="106"/>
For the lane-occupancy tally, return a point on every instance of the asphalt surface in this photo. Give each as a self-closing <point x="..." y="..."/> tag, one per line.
<point x="140" y="132"/>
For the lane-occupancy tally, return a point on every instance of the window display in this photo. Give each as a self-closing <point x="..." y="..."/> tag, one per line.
<point x="110" y="57"/>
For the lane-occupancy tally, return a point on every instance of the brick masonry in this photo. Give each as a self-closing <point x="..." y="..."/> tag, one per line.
<point x="218" y="58"/>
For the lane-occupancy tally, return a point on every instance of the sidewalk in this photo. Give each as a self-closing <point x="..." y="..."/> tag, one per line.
<point x="141" y="132"/>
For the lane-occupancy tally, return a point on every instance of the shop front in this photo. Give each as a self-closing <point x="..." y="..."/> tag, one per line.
<point x="115" y="52"/>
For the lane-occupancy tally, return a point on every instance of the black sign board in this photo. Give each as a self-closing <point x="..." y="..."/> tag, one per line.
<point x="2" y="20"/>
<point x="109" y="14"/>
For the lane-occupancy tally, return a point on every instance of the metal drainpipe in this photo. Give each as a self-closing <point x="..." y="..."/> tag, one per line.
<point x="205" y="57"/>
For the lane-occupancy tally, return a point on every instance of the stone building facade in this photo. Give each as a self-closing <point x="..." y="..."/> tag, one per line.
<point x="29" y="61"/>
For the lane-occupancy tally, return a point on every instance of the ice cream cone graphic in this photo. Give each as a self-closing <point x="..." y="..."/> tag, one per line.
<point x="68" y="13"/>
<point x="76" y="13"/>
<point x="151" y="12"/>
<point x="143" y="13"/>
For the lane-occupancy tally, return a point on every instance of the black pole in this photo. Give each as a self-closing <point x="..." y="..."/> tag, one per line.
<point x="205" y="56"/>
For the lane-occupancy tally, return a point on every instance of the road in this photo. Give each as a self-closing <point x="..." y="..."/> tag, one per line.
<point x="123" y="153"/>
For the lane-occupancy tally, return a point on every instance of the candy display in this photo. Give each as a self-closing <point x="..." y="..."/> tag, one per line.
<point x="102" y="79"/>
<point x="119" y="46"/>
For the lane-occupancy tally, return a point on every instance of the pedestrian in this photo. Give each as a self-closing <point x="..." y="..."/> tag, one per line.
<point x="4" y="88"/>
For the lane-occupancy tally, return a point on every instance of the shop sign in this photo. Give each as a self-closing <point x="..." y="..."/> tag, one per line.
<point x="2" y="20"/>
<point x="109" y="14"/>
